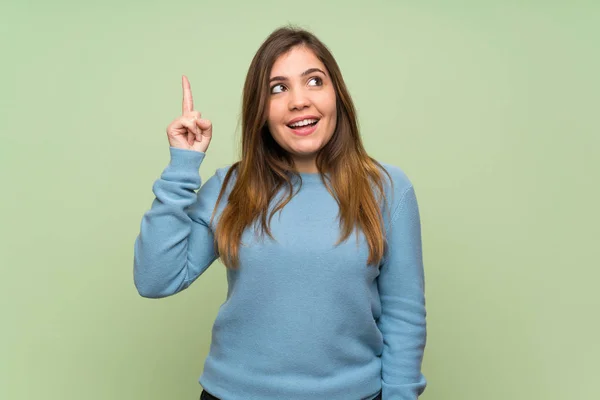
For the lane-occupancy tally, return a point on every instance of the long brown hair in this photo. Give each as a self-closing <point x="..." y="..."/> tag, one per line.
<point x="264" y="167"/>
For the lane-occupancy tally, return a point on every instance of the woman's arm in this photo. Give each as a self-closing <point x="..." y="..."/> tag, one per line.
<point x="401" y="289"/>
<point x="175" y="244"/>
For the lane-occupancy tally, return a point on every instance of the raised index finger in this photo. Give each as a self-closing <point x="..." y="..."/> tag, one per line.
<point x="188" y="101"/>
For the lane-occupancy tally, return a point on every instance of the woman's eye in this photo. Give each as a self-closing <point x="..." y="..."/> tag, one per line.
<point x="317" y="79"/>
<point x="273" y="89"/>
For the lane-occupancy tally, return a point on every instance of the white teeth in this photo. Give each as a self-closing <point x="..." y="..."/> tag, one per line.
<point x="303" y="122"/>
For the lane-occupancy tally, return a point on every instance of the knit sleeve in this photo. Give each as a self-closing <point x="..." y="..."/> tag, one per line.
<point x="401" y="289"/>
<point x="175" y="244"/>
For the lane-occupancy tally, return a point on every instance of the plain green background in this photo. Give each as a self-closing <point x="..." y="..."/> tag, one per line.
<point x="491" y="109"/>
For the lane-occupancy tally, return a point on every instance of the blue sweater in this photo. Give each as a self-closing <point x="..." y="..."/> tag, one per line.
<point x="302" y="319"/>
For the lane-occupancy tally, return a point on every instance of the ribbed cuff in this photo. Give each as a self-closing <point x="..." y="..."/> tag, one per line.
<point x="182" y="158"/>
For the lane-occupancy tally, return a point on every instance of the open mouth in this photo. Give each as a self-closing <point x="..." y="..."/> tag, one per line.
<point x="303" y="124"/>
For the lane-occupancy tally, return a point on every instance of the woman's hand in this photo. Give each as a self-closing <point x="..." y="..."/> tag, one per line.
<point x="189" y="131"/>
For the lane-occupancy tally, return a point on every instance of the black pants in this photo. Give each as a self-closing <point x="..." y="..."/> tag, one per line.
<point x="207" y="396"/>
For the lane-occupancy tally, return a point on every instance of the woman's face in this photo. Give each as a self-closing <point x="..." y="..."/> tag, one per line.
<point x="302" y="106"/>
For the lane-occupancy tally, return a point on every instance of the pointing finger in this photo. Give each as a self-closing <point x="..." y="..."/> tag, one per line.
<point x="188" y="101"/>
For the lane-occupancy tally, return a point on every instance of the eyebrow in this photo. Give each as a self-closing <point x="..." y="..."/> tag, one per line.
<point x="307" y="72"/>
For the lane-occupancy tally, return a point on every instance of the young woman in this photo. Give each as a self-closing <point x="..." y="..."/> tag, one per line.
<point x="311" y="312"/>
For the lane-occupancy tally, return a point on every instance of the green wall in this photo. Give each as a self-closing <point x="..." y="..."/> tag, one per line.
<point x="491" y="108"/>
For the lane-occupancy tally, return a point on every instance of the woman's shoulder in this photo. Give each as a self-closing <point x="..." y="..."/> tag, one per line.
<point x="399" y="178"/>
<point x="396" y="188"/>
<point x="222" y="172"/>
<point x="219" y="175"/>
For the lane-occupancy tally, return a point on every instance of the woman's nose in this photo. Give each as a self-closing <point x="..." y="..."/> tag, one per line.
<point x="298" y="100"/>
